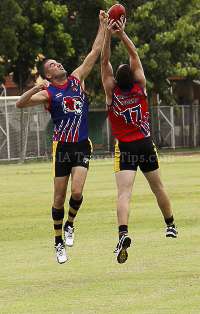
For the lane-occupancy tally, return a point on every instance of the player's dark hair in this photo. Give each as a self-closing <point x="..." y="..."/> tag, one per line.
<point x="43" y="70"/>
<point x="124" y="76"/>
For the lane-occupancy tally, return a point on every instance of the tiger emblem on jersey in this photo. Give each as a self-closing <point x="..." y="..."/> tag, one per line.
<point x="72" y="104"/>
<point x="74" y="87"/>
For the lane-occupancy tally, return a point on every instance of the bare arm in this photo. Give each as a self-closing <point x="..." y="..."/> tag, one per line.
<point x="34" y="96"/>
<point x="106" y="67"/>
<point x="135" y="62"/>
<point x="82" y="72"/>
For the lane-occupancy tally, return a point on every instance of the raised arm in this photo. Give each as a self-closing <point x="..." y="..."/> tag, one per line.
<point x="106" y="67"/>
<point x="34" y="96"/>
<point x="135" y="63"/>
<point x="82" y="72"/>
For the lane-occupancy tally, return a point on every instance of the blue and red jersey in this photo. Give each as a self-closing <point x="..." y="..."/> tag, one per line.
<point x="69" y="111"/>
<point x="129" y="114"/>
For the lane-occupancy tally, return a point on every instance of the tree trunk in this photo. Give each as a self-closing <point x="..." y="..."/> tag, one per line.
<point x="192" y="113"/>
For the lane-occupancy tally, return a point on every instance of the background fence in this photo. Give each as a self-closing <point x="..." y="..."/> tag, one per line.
<point x="170" y="130"/>
<point x="28" y="133"/>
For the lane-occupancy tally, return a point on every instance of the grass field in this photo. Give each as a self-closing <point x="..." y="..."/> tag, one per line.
<point x="161" y="275"/>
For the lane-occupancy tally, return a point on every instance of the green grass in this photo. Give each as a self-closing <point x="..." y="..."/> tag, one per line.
<point x="160" y="276"/>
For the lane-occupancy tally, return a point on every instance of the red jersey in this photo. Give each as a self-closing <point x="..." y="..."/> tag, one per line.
<point x="129" y="114"/>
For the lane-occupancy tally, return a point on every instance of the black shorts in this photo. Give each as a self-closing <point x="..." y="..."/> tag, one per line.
<point x="68" y="155"/>
<point x="130" y="155"/>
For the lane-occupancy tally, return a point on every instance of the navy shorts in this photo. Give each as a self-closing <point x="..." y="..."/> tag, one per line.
<point x="129" y="155"/>
<point x="68" y="155"/>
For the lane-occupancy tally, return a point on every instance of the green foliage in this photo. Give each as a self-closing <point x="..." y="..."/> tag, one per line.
<point x="165" y="32"/>
<point x="167" y="35"/>
<point x="10" y="17"/>
<point x="38" y="27"/>
<point x="82" y="25"/>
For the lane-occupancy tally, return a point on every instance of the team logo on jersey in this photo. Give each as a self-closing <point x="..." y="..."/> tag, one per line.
<point x="74" y="87"/>
<point x="72" y="104"/>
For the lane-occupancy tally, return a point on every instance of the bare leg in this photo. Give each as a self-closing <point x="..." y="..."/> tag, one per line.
<point x="79" y="175"/>
<point x="60" y="189"/>
<point x="158" y="189"/>
<point x="125" y="180"/>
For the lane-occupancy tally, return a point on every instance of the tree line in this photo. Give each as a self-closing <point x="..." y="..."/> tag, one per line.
<point x="165" y="32"/>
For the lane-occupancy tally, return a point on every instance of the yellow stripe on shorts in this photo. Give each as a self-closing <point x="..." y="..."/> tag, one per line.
<point x="90" y="144"/>
<point x="117" y="157"/>
<point x="155" y="150"/>
<point x="55" y="143"/>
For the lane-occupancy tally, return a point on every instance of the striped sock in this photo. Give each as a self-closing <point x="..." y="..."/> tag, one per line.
<point x="73" y="210"/>
<point x="58" y="231"/>
<point x="57" y="216"/>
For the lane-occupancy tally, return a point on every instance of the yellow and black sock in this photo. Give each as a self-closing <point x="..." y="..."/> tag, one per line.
<point x="73" y="210"/>
<point x="122" y="229"/>
<point x="57" y="216"/>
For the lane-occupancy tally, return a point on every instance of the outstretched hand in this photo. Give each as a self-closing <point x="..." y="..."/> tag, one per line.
<point x="103" y="17"/>
<point x="112" y="28"/>
<point x="115" y="27"/>
<point x="120" y="26"/>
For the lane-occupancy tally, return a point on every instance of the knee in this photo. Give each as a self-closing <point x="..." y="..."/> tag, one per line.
<point x="158" y="189"/>
<point x="76" y="194"/>
<point x="59" y="200"/>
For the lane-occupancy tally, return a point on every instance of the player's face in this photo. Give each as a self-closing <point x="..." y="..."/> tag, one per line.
<point x="54" y="69"/>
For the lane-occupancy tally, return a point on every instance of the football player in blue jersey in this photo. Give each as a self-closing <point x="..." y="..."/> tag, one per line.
<point x="65" y="99"/>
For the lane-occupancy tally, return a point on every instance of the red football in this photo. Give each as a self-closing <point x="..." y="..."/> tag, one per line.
<point x="116" y="12"/>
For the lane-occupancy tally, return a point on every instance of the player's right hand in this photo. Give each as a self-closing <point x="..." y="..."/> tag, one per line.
<point x="43" y="84"/>
<point x="103" y="17"/>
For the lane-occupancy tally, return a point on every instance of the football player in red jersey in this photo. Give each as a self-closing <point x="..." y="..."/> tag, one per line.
<point x="127" y="104"/>
<point x="65" y="99"/>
